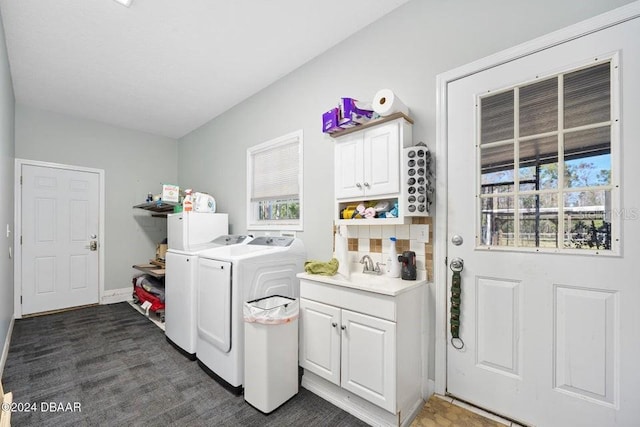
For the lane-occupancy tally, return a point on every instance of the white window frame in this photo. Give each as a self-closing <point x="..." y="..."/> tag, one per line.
<point x="253" y="223"/>
<point x="613" y="187"/>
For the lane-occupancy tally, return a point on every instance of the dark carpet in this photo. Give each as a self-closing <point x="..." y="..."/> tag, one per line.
<point x="114" y="365"/>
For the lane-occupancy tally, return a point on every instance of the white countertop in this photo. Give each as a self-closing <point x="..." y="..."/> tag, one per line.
<point x="367" y="282"/>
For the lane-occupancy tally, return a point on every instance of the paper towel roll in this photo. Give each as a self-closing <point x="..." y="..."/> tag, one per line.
<point x="385" y="103"/>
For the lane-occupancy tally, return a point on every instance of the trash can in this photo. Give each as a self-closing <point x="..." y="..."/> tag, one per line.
<point x="270" y="351"/>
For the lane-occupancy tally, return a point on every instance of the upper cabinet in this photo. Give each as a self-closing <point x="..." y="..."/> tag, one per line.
<point x="367" y="163"/>
<point x="373" y="179"/>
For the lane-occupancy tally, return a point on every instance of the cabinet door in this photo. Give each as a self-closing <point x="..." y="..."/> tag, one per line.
<point x="369" y="358"/>
<point x="349" y="163"/>
<point x="320" y="339"/>
<point x="382" y="160"/>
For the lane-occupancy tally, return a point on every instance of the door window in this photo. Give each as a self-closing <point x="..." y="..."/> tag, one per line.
<point x="545" y="163"/>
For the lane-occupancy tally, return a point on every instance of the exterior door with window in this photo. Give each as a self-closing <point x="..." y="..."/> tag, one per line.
<point x="543" y="190"/>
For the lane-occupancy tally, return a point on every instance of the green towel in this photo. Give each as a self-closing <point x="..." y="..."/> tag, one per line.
<point x="321" y="267"/>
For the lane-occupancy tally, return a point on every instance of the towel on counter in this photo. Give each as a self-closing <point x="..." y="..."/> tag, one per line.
<point x="321" y="267"/>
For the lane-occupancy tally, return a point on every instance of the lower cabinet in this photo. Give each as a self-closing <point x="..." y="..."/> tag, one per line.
<point x="362" y="344"/>
<point x="352" y="350"/>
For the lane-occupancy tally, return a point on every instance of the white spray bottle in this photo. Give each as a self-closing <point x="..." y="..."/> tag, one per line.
<point x="393" y="265"/>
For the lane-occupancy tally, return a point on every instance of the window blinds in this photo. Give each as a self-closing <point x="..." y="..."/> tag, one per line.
<point x="586" y="106"/>
<point x="276" y="171"/>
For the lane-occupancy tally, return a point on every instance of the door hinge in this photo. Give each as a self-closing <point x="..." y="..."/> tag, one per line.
<point x="20" y="239"/>
<point x="445" y="260"/>
<point x="20" y="179"/>
<point x="20" y="299"/>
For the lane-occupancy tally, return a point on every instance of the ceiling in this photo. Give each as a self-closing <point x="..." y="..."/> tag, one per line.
<point x="166" y="66"/>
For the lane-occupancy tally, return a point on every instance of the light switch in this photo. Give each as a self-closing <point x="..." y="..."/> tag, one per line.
<point x="423" y="234"/>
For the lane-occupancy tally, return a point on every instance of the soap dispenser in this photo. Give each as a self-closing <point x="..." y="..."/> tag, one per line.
<point x="393" y="265"/>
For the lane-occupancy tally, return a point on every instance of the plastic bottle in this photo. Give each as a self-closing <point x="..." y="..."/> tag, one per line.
<point x="393" y="265"/>
<point x="342" y="254"/>
<point x="187" y="203"/>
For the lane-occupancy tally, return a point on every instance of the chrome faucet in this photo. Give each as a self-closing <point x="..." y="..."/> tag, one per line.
<point x="368" y="265"/>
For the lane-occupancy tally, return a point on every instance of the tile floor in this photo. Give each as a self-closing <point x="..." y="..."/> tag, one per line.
<point x="438" y="411"/>
<point x="444" y="411"/>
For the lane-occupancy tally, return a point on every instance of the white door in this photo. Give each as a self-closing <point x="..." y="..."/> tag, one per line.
<point x="320" y="339"/>
<point x="369" y="358"/>
<point x="60" y="222"/>
<point x="549" y="303"/>
<point x="382" y="160"/>
<point x="349" y="163"/>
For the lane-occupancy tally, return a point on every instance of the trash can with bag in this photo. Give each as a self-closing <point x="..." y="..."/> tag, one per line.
<point x="270" y="351"/>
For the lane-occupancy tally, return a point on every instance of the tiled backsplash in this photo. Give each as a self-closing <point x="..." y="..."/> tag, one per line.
<point x="374" y="240"/>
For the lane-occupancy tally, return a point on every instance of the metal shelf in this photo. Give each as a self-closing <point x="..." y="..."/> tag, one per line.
<point x="158" y="208"/>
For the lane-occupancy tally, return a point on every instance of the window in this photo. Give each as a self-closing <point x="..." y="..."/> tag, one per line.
<point x="274" y="181"/>
<point x="545" y="159"/>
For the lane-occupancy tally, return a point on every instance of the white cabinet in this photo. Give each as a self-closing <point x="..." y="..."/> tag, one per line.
<point x="320" y="339"/>
<point x="362" y="348"/>
<point x="352" y="350"/>
<point x="367" y="162"/>
<point x="368" y="170"/>
<point x="368" y="367"/>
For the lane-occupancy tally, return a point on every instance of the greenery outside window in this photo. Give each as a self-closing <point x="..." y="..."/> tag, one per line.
<point x="547" y="156"/>
<point x="274" y="184"/>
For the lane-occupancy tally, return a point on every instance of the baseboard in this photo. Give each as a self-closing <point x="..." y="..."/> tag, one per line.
<point x="413" y="413"/>
<point x="343" y="400"/>
<point x="356" y="406"/>
<point x="5" y="349"/>
<point x="431" y="389"/>
<point x="113" y="296"/>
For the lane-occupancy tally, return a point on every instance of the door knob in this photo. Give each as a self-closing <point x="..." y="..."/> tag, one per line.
<point x="92" y="246"/>
<point x="456" y="264"/>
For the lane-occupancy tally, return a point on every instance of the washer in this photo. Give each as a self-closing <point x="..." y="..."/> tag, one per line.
<point x="229" y="276"/>
<point x="180" y="292"/>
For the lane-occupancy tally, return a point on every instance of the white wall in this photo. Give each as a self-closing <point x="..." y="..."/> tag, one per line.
<point x="7" y="110"/>
<point x="403" y="51"/>
<point x="135" y="163"/>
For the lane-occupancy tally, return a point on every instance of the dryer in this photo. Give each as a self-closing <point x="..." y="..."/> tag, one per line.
<point x="229" y="276"/>
<point x="180" y="292"/>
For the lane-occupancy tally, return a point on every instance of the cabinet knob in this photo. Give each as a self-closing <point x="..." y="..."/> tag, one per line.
<point x="343" y="327"/>
<point x="334" y="324"/>
<point x="366" y="184"/>
<point x="359" y="185"/>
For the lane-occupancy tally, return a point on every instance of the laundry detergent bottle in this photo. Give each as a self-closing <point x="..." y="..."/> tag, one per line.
<point x="393" y="265"/>
<point x="187" y="203"/>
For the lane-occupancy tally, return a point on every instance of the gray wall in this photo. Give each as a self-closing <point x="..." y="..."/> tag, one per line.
<point x="404" y="51"/>
<point x="7" y="110"/>
<point x="135" y="163"/>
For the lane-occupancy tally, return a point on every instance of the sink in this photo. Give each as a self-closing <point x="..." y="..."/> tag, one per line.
<point x="368" y="278"/>
<point x="368" y="282"/>
<point x="380" y="284"/>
